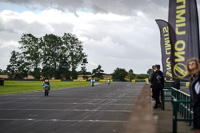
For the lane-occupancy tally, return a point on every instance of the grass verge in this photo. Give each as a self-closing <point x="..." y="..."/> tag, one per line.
<point x="15" y="87"/>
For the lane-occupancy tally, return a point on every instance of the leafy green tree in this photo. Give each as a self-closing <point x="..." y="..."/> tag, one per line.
<point x="83" y="68"/>
<point x="18" y="67"/>
<point x="74" y="50"/>
<point x="23" y="68"/>
<point x="98" y="72"/>
<point x="142" y="76"/>
<point x="31" y="48"/>
<point x="130" y="75"/>
<point x="12" y="67"/>
<point x="3" y="72"/>
<point x="149" y="72"/>
<point x="36" y="73"/>
<point x="63" y="69"/>
<point x="51" y="50"/>
<point x="47" y="71"/>
<point x="58" y="56"/>
<point x="120" y="74"/>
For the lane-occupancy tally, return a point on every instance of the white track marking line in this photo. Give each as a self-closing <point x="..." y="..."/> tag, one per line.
<point x="105" y="99"/>
<point x="73" y="110"/>
<point x="57" y="120"/>
<point x="102" y="104"/>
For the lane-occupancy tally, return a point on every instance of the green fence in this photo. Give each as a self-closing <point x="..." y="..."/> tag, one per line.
<point x="183" y="83"/>
<point x="181" y="105"/>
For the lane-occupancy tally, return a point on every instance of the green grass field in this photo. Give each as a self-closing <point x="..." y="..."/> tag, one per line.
<point x="15" y="87"/>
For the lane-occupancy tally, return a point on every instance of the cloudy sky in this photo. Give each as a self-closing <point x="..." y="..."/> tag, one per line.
<point x="115" y="33"/>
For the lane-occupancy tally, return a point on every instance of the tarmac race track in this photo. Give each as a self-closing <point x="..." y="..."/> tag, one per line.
<point x="99" y="109"/>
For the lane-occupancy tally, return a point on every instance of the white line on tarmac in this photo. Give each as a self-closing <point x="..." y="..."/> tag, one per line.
<point x="57" y="120"/>
<point x="103" y="104"/>
<point x="73" y="110"/>
<point x="19" y="98"/>
<point x="123" y="98"/>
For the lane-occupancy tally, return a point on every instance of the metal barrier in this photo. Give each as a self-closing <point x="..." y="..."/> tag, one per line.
<point x="181" y="105"/>
<point x="167" y="88"/>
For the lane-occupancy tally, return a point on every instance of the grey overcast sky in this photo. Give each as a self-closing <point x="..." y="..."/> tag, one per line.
<point x="115" y="33"/>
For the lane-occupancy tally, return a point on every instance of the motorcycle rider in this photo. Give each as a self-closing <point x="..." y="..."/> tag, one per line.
<point x="92" y="81"/>
<point x="108" y="81"/>
<point x="46" y="83"/>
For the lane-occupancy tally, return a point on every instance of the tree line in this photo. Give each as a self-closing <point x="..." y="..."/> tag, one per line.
<point x="48" y="56"/>
<point x="54" y="56"/>
<point x="122" y="75"/>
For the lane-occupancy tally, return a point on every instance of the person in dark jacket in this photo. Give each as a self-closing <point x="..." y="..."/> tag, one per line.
<point x="193" y="71"/>
<point x="153" y="69"/>
<point x="157" y="84"/>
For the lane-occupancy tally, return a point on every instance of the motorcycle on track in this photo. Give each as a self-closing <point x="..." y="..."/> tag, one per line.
<point x="46" y="90"/>
<point x="108" y="81"/>
<point x="92" y="82"/>
<point x="46" y="86"/>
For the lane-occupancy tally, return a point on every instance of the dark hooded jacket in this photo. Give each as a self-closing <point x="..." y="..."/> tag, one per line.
<point x="194" y="97"/>
<point x="157" y="80"/>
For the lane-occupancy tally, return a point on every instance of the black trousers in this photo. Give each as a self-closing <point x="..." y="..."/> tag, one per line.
<point x="196" y="111"/>
<point x="156" y="95"/>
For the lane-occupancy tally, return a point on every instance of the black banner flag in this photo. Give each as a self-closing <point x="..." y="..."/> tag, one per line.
<point x="165" y="47"/>
<point x="184" y="35"/>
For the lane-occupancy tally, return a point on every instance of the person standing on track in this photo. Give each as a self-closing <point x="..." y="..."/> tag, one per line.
<point x="193" y="71"/>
